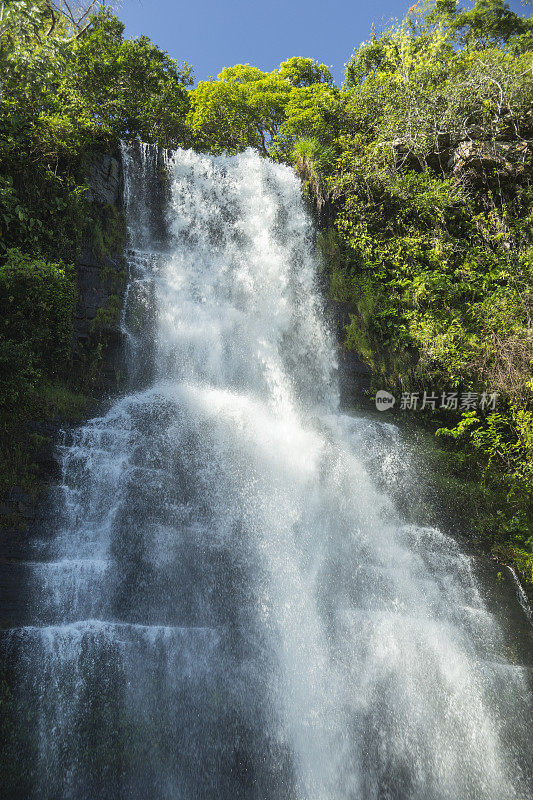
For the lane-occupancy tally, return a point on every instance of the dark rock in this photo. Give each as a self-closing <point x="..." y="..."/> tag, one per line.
<point x="107" y="261"/>
<point x="46" y="428"/>
<point x="13" y="587"/>
<point x="14" y="544"/>
<point x="105" y="180"/>
<point x="483" y="155"/>
<point x="45" y="458"/>
<point x="17" y="495"/>
<point x="92" y="291"/>
<point x="354" y="374"/>
<point x="26" y="511"/>
<point x="101" y="284"/>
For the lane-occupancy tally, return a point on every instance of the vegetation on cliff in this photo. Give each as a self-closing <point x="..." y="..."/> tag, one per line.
<point x="71" y="85"/>
<point x="420" y="168"/>
<point x="432" y="240"/>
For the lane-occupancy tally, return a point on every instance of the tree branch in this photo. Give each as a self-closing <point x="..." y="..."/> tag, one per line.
<point x="53" y="22"/>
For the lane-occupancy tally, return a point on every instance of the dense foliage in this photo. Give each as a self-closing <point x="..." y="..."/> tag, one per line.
<point x="62" y="97"/>
<point x="36" y="306"/>
<point x="433" y="211"/>
<point x="421" y="168"/>
<point x="71" y="85"/>
<point x="246" y="107"/>
<point x="434" y="205"/>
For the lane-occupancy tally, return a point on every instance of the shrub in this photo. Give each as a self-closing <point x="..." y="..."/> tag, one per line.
<point x="37" y="301"/>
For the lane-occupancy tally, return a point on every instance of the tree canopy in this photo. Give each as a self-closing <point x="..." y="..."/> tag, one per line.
<point x="245" y="107"/>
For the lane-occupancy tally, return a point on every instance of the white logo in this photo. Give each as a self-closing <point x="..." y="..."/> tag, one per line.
<point x="384" y="400"/>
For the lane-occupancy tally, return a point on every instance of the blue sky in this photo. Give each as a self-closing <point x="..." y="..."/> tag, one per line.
<point x="210" y="35"/>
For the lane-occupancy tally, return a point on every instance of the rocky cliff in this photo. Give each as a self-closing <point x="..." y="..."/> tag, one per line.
<point x="101" y="272"/>
<point x="96" y="350"/>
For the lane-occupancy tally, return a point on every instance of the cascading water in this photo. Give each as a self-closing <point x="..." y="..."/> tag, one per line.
<point x="229" y="607"/>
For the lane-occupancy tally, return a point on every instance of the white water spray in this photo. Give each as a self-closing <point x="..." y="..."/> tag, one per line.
<point x="230" y="607"/>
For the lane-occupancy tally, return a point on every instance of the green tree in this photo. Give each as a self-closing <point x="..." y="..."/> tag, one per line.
<point x="432" y="242"/>
<point x="70" y="85"/>
<point x="96" y="84"/>
<point x="490" y="23"/>
<point x="64" y="94"/>
<point x="246" y="107"/>
<point x="243" y="108"/>
<point x="304" y="72"/>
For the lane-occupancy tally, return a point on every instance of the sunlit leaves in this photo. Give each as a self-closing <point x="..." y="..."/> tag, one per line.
<point x="246" y="107"/>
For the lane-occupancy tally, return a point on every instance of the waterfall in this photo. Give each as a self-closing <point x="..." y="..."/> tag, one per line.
<point x="228" y="603"/>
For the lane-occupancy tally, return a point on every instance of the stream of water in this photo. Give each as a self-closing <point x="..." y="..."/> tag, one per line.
<point x="228" y="604"/>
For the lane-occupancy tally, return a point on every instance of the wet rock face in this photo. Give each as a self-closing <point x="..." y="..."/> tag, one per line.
<point x="100" y="274"/>
<point x="354" y="374"/>
<point x="94" y="289"/>
<point x="100" y="296"/>
<point x="105" y="180"/>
